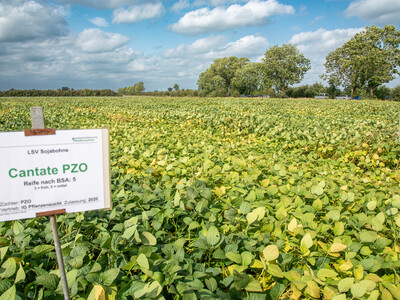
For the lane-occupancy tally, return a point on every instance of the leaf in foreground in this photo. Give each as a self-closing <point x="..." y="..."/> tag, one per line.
<point x="271" y="252"/>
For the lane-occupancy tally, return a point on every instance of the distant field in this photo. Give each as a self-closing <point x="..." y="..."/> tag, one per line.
<point x="247" y="198"/>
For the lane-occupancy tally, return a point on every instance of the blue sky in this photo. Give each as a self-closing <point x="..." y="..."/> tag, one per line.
<point x="48" y="44"/>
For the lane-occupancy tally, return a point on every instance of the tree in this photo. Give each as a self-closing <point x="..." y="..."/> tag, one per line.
<point x="219" y="76"/>
<point x="176" y="87"/>
<point x="366" y="61"/>
<point x="340" y="71"/>
<point x="305" y="91"/>
<point x="285" y="65"/>
<point x="382" y="92"/>
<point x="136" y="89"/>
<point x="250" y="78"/>
<point x="395" y="93"/>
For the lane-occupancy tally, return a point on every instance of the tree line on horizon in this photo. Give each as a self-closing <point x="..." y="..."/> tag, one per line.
<point x="359" y="67"/>
<point x="62" y="92"/>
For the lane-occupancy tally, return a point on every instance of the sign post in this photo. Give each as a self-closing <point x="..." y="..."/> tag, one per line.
<point x="49" y="172"/>
<point x="37" y="123"/>
<point x="60" y="260"/>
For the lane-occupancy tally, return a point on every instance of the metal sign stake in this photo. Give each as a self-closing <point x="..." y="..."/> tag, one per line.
<point x="38" y="123"/>
<point x="60" y="259"/>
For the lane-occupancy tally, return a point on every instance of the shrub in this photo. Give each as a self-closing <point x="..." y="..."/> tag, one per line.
<point x="396" y="93"/>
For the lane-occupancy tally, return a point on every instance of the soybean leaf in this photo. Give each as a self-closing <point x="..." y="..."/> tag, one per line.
<point x="271" y="252"/>
<point x="143" y="261"/>
<point x="10" y="294"/>
<point x="109" y="276"/>
<point x="148" y="239"/>
<point x="213" y="236"/>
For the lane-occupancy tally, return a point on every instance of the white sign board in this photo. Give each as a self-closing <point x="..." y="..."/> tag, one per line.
<point x="68" y="170"/>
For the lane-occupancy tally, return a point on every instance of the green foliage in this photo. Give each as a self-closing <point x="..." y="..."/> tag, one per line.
<point x="395" y="93"/>
<point x="219" y="76"/>
<point x="251" y="78"/>
<point x="136" y="89"/>
<point x="285" y="65"/>
<point x="175" y="93"/>
<point x="366" y="61"/>
<point x="63" y="92"/>
<point x="305" y="91"/>
<point x="382" y="92"/>
<point x="221" y="198"/>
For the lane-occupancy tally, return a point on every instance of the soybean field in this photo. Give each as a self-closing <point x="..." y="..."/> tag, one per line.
<point x="221" y="198"/>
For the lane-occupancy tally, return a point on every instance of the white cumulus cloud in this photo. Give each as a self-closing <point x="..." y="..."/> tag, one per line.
<point x="94" y="40"/>
<point x="214" y="2"/>
<point x="253" y="13"/>
<point x="249" y="46"/>
<point x="210" y="48"/>
<point x="381" y="12"/>
<point x="30" y="20"/>
<point x="197" y="47"/>
<point x="186" y="62"/>
<point x="316" y="45"/>
<point x="180" y="5"/>
<point x="102" y="4"/>
<point x="322" y="41"/>
<point x="138" y="13"/>
<point x="101" y="22"/>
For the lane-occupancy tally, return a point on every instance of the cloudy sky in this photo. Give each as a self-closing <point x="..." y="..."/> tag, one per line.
<point x="47" y="44"/>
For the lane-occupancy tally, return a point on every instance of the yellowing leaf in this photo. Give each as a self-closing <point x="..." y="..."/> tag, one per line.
<point x="392" y="289"/>
<point x="265" y="182"/>
<point x="313" y="289"/>
<point x="219" y="191"/>
<point x="292" y="225"/>
<point x="256" y="215"/>
<point x="386" y="295"/>
<point x="99" y="293"/>
<point x="358" y="272"/>
<point x="373" y="277"/>
<point x="271" y="252"/>
<point x="257" y="264"/>
<point x="345" y="266"/>
<point x="296" y="293"/>
<point x="237" y="268"/>
<point x="337" y="247"/>
<point x="307" y="241"/>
